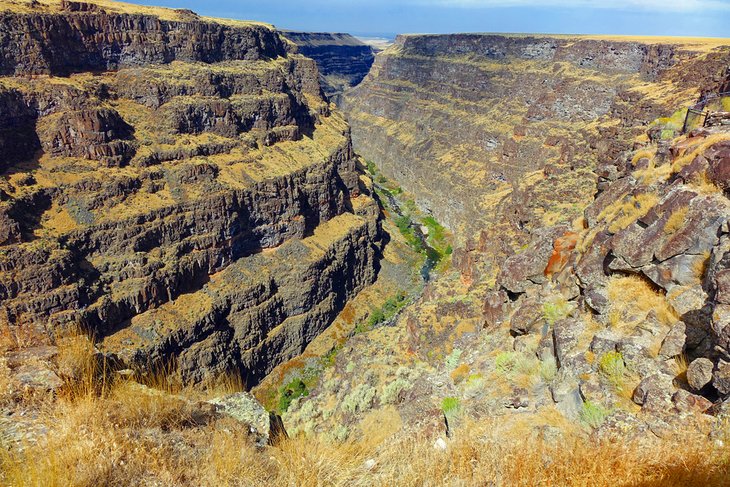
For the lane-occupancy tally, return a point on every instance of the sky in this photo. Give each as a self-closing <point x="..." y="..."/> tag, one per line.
<point x="704" y="18"/>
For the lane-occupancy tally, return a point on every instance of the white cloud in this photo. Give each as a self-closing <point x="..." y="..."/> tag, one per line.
<point x="652" y="5"/>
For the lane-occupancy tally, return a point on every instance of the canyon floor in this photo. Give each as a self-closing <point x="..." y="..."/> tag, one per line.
<point x="236" y="255"/>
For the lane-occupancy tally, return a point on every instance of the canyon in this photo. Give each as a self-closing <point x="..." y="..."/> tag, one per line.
<point x="460" y="229"/>
<point x="343" y="60"/>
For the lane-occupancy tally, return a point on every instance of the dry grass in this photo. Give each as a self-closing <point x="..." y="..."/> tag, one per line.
<point x="676" y="220"/>
<point x="86" y="448"/>
<point x="130" y="435"/>
<point x="698" y="149"/>
<point x="633" y="297"/>
<point x="624" y="212"/>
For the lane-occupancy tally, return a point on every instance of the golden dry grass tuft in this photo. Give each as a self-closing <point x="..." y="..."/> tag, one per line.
<point x="676" y="220"/>
<point x="624" y="212"/>
<point x="632" y="296"/>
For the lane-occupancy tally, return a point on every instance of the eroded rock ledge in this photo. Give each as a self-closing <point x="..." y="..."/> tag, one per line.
<point x="165" y="178"/>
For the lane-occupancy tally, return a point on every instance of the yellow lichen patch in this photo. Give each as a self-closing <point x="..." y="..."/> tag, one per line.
<point x="460" y="373"/>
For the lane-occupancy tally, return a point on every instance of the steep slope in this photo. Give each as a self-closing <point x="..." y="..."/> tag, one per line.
<point x="587" y="291"/>
<point x="155" y="159"/>
<point x="342" y="59"/>
<point x="485" y="129"/>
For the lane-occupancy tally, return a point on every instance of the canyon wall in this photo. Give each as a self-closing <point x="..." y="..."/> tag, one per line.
<point x="156" y="159"/>
<point x="342" y="59"/>
<point x="492" y="129"/>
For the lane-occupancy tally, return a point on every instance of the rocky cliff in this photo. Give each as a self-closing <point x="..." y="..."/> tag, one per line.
<point x="153" y="152"/>
<point x="485" y="129"/>
<point x="342" y="59"/>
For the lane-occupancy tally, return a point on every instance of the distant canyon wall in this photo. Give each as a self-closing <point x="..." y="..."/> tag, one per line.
<point x="505" y="132"/>
<point x="342" y="59"/>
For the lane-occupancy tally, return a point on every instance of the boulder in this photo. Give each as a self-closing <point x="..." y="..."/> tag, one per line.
<point x="673" y="343"/>
<point x="654" y="392"/>
<point x="686" y="402"/>
<point x="699" y="373"/>
<point x="565" y="336"/>
<point x="37" y="377"/>
<point x="243" y="407"/>
<point x="495" y="308"/>
<point x="520" y="398"/>
<point x="526" y="317"/>
<point x="528" y="267"/>
<point x="721" y="377"/>
<point x="719" y="162"/>
<point x="567" y="397"/>
<point x="605" y="341"/>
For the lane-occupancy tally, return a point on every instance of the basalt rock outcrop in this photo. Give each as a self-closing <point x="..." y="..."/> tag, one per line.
<point x="153" y="152"/>
<point x="484" y="129"/>
<point x="72" y="37"/>
<point x="342" y="59"/>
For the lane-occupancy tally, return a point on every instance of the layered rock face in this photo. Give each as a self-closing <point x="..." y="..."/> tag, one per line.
<point x="74" y="37"/>
<point x="486" y="129"/>
<point x="343" y="60"/>
<point x="167" y="175"/>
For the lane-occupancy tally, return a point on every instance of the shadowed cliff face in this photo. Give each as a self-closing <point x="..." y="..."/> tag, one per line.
<point x="180" y="197"/>
<point x="343" y="60"/>
<point x="488" y="129"/>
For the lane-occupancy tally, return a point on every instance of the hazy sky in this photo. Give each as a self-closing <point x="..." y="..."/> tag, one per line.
<point x="372" y="17"/>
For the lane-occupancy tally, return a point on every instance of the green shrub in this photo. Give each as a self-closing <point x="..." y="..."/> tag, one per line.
<point x="328" y="360"/>
<point x="505" y="361"/>
<point x="293" y="390"/>
<point x="359" y="400"/>
<point x="526" y="364"/>
<point x="612" y="367"/>
<point x="372" y="168"/>
<point x="340" y="433"/>
<point x="452" y="360"/>
<point x="556" y="309"/>
<point x="391" y="392"/>
<point x="593" y="414"/>
<point x="450" y="406"/>
<point x="548" y="369"/>
<point x="390" y="308"/>
<point x="79" y="211"/>
<point x="475" y="381"/>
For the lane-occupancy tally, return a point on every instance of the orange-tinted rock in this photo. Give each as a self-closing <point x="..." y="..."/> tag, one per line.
<point x="562" y="250"/>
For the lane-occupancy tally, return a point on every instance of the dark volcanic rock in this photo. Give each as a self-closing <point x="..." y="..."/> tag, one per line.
<point x="187" y="163"/>
<point x="343" y="60"/>
<point x="93" y="40"/>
